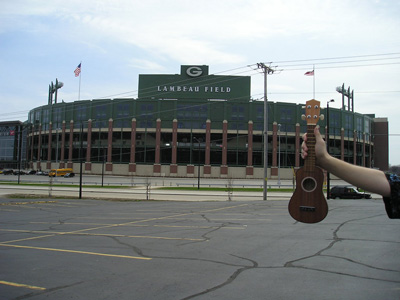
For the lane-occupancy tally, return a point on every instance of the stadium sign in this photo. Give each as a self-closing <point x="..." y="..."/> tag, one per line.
<point x="194" y="82"/>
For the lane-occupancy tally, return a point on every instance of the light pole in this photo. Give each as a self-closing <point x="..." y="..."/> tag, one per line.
<point x="279" y="155"/>
<point x="57" y="145"/>
<point x="81" y="162"/>
<point x="102" y="167"/>
<point x="53" y="90"/>
<point x="327" y="146"/>
<point x="102" y="156"/>
<point x="198" y="163"/>
<point x="19" y="137"/>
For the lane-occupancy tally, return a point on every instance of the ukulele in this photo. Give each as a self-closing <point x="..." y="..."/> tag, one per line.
<point x="308" y="203"/>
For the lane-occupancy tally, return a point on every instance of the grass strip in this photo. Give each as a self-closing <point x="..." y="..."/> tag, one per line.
<point x="68" y="185"/>
<point x="224" y="189"/>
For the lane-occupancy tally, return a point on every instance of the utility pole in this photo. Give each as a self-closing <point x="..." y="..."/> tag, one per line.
<point x="266" y="70"/>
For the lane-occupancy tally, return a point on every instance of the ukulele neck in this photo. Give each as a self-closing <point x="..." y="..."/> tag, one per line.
<point x="309" y="163"/>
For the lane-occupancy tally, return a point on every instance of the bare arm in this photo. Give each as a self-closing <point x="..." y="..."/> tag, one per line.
<point x="368" y="179"/>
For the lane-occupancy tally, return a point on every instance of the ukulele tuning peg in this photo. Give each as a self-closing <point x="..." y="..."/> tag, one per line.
<point x="321" y="117"/>
<point x="303" y="117"/>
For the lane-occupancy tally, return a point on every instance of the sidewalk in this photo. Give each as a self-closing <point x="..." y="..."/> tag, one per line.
<point x="140" y="193"/>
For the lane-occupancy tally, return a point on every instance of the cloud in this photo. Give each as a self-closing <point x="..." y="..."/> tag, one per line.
<point x="118" y="39"/>
<point x="210" y="31"/>
<point x="146" y="65"/>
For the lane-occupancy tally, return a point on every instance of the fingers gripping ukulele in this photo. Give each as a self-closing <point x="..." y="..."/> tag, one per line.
<point x="308" y="203"/>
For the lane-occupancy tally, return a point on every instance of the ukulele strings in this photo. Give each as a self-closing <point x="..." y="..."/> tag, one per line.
<point x="310" y="161"/>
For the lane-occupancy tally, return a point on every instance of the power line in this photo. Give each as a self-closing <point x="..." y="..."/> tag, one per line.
<point x="244" y="69"/>
<point x="340" y="57"/>
<point x="249" y="69"/>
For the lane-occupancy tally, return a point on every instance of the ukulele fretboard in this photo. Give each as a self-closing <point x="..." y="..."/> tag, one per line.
<point x="309" y="163"/>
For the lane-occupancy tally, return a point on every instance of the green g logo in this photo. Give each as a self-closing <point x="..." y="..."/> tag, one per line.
<point x="194" y="71"/>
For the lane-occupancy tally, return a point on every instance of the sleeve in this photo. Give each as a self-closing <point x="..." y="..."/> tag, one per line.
<point x="392" y="203"/>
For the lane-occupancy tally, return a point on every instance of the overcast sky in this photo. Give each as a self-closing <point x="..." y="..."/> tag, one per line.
<point x="355" y="42"/>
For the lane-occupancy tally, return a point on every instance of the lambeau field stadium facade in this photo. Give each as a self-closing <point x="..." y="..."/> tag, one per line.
<point x="193" y="123"/>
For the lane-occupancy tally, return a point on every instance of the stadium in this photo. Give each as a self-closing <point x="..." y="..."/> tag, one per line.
<point x="191" y="124"/>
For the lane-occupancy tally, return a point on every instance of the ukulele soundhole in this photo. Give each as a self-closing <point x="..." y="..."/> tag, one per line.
<point x="309" y="184"/>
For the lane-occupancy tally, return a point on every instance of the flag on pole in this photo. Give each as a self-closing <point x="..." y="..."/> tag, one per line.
<point x="309" y="73"/>
<point x="78" y="70"/>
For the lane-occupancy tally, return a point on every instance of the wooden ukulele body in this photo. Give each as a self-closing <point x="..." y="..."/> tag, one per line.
<point x="308" y="203"/>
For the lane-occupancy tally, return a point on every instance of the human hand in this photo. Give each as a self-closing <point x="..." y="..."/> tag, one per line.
<point x="320" y="147"/>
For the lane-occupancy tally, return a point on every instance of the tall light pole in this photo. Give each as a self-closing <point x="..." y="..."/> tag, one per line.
<point x="102" y="166"/>
<point x="328" y="177"/>
<point x="53" y="90"/>
<point x="279" y="155"/>
<point x="198" y="163"/>
<point x="19" y="137"/>
<point x="266" y="70"/>
<point x="81" y="162"/>
<point x="57" y="145"/>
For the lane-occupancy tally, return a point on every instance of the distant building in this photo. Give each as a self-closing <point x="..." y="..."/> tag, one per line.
<point x="10" y="146"/>
<point x="184" y="121"/>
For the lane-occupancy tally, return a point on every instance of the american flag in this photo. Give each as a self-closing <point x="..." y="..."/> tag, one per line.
<point x="78" y="70"/>
<point x="309" y="73"/>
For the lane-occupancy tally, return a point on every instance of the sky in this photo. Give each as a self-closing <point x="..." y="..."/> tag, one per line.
<point x="355" y="42"/>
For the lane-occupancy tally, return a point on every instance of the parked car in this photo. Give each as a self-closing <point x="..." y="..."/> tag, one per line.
<point x="8" y="172"/>
<point x="32" y="172"/>
<point x="347" y="192"/>
<point x="68" y="175"/>
<point x="44" y="173"/>
<point x="19" y="172"/>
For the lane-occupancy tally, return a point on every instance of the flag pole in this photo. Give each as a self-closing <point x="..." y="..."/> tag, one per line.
<point x="312" y="73"/>
<point x="80" y="76"/>
<point x="313" y="81"/>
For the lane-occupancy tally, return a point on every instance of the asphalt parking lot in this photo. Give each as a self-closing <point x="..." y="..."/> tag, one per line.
<point x="97" y="249"/>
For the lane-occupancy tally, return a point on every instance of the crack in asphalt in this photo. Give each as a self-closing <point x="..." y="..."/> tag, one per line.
<point x="204" y="217"/>
<point x="135" y="249"/>
<point x="335" y="239"/>
<point x="229" y="280"/>
<point x="240" y="268"/>
<point x="60" y="223"/>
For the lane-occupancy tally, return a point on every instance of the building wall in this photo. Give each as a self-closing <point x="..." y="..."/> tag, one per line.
<point x="157" y="137"/>
<point x="12" y="145"/>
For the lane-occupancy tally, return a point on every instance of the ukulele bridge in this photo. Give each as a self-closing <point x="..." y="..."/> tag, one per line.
<point x="307" y="208"/>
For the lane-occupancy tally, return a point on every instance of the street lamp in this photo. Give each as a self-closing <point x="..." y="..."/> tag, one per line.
<point x="102" y="166"/>
<point x="57" y="144"/>
<point x="327" y="146"/>
<point x="198" y="163"/>
<point x="19" y="137"/>
<point x="279" y="155"/>
<point x="81" y="161"/>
